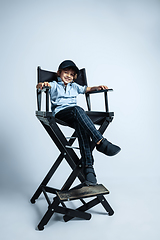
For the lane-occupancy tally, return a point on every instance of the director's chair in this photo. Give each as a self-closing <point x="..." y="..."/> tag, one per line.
<point x="96" y="193"/>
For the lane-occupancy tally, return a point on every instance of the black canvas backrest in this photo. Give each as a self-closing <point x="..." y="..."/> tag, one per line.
<point x="48" y="76"/>
<point x="81" y="79"/>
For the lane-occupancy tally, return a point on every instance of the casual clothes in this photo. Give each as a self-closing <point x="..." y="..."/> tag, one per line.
<point x="64" y="107"/>
<point x="64" y="96"/>
<point x="79" y="120"/>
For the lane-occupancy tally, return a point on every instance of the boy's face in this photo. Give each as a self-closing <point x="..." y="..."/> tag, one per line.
<point x="67" y="75"/>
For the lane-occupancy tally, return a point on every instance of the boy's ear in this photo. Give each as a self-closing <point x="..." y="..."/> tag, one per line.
<point x="75" y="76"/>
<point x="58" y="72"/>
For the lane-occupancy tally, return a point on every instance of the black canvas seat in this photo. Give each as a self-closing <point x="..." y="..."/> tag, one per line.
<point x="65" y="145"/>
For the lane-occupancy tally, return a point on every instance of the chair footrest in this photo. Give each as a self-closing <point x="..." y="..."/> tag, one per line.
<point x="84" y="192"/>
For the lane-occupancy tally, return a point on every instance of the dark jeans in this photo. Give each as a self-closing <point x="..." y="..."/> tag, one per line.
<point x="85" y="129"/>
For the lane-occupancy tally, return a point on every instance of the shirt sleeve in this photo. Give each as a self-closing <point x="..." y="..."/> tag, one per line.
<point x="53" y="87"/>
<point x="80" y="89"/>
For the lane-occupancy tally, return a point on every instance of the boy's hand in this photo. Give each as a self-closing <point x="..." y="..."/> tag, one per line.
<point x="101" y="87"/>
<point x="41" y="85"/>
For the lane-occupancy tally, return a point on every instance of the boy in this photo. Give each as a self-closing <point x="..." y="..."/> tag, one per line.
<point x="64" y="106"/>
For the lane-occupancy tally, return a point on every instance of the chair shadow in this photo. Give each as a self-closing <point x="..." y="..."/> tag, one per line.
<point x="56" y="217"/>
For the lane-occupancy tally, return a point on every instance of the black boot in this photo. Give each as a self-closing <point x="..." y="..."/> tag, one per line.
<point x="90" y="176"/>
<point x="107" y="148"/>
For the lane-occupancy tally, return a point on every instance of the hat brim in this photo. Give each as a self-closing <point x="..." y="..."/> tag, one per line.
<point x="68" y="64"/>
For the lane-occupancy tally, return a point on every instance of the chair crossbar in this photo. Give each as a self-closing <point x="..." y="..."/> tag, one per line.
<point x="72" y="147"/>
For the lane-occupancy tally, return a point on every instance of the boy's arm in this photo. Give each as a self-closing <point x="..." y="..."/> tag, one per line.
<point x="96" y="88"/>
<point x="41" y="85"/>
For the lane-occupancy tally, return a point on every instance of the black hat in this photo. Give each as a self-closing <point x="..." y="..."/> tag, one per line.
<point x="68" y="63"/>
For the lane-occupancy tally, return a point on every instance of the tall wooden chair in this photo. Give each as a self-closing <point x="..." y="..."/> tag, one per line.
<point x="67" y="192"/>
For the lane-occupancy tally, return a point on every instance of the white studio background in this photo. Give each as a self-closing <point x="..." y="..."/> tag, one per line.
<point x="118" y="42"/>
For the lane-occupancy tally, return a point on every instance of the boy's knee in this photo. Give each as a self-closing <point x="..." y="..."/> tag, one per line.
<point x="79" y="110"/>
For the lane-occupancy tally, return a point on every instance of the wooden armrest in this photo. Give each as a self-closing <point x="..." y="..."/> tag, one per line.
<point x="99" y="91"/>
